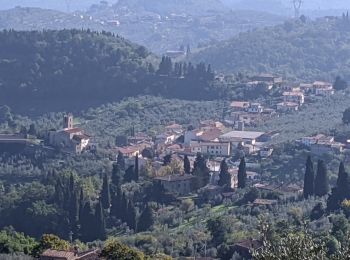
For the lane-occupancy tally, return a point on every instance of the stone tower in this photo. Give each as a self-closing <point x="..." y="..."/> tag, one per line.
<point x="68" y="121"/>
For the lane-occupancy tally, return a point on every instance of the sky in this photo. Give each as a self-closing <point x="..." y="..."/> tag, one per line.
<point x="250" y="4"/>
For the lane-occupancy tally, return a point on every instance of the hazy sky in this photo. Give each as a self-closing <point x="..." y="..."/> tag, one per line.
<point x="251" y="4"/>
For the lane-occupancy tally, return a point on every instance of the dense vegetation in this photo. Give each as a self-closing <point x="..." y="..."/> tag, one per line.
<point x="73" y="69"/>
<point x="299" y="49"/>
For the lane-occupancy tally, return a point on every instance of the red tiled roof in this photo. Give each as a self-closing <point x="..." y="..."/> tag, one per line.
<point x="73" y="130"/>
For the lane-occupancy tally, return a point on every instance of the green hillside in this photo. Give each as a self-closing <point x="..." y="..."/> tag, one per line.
<point x="295" y="49"/>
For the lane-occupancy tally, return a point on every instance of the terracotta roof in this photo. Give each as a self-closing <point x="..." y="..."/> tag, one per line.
<point x="239" y="104"/>
<point x="81" y="137"/>
<point x="173" y="126"/>
<point x="250" y="244"/>
<point x="171" y="178"/>
<point x="73" y="130"/>
<point x="264" y="202"/>
<point x="59" y="254"/>
<point x="211" y="134"/>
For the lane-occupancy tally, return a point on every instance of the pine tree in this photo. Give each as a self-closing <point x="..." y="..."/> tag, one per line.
<point x="187" y="165"/>
<point x="121" y="161"/>
<point x="105" y="194"/>
<point x="136" y="171"/>
<point x="100" y="222"/>
<point x="242" y="174"/>
<point x="309" y="178"/>
<point x="146" y="219"/>
<point x="225" y="177"/>
<point x="321" y="180"/>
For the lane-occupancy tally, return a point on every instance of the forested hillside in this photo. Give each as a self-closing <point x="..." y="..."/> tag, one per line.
<point x="295" y="49"/>
<point x="72" y="69"/>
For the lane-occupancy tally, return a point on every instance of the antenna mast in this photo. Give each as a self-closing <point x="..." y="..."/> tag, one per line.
<point x="297" y="5"/>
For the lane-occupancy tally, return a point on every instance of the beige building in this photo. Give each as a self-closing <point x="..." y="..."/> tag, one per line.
<point x="70" y="138"/>
<point x="212" y="148"/>
<point x="178" y="184"/>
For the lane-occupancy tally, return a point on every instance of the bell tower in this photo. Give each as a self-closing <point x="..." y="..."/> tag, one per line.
<point x="68" y="121"/>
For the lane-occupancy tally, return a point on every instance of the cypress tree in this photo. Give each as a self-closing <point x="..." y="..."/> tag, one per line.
<point x="187" y="165"/>
<point x="71" y="184"/>
<point x="100" y="221"/>
<point x="88" y="225"/>
<point x="136" y="171"/>
<point x="130" y="174"/>
<point x="225" y="177"/>
<point x="131" y="215"/>
<point x="242" y="174"/>
<point x="340" y="191"/>
<point x="309" y="178"/>
<point x="116" y="208"/>
<point x="74" y="212"/>
<point x="121" y="161"/>
<point x="105" y="195"/>
<point x="146" y="219"/>
<point x="81" y="203"/>
<point x="321" y="180"/>
<point x="59" y="193"/>
<point x="201" y="172"/>
<point x="124" y="208"/>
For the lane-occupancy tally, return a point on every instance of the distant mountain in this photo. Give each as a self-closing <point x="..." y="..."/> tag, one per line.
<point x="62" y="5"/>
<point x="173" y="6"/>
<point x="295" y="49"/>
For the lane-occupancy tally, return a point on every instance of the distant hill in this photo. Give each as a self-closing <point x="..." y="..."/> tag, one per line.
<point x="68" y="68"/>
<point x="42" y="71"/>
<point x="49" y="4"/>
<point x="31" y="18"/>
<point x="173" y="6"/>
<point x="158" y="32"/>
<point x="294" y="49"/>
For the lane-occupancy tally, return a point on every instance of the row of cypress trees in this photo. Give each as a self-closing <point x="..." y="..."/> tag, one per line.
<point x="315" y="185"/>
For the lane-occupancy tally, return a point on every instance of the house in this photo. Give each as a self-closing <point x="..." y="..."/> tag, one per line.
<point x="267" y="78"/>
<point x="240" y="105"/>
<point x="179" y="184"/>
<point x="212" y="148"/>
<point x="244" y="248"/>
<point x="251" y="176"/>
<point x="267" y="137"/>
<point x="129" y="151"/>
<point x="309" y="140"/>
<point x="210" y="124"/>
<point x="165" y="138"/>
<point x="174" y="128"/>
<point x="248" y="137"/>
<point x="306" y="88"/>
<point x="210" y="134"/>
<point x="70" y="138"/>
<point x="264" y="202"/>
<point x="321" y="88"/>
<point x="255" y="108"/>
<point x="139" y="138"/>
<point x="51" y="254"/>
<point x="325" y="147"/>
<point x="294" y="97"/>
<point x="266" y="152"/>
<point x="246" y="118"/>
<point x="287" y="106"/>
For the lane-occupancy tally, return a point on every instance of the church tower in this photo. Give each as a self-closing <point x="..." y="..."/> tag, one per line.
<point x="68" y="121"/>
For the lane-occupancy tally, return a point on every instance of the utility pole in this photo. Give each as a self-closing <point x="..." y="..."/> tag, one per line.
<point x="297" y="5"/>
